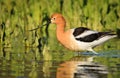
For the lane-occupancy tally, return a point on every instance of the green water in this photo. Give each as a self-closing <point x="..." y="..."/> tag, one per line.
<point x="21" y="62"/>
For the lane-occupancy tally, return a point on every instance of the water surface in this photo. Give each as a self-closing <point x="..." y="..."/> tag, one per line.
<point x="30" y="63"/>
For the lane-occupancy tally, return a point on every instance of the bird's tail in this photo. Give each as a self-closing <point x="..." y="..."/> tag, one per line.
<point x="111" y="34"/>
<point x="105" y="36"/>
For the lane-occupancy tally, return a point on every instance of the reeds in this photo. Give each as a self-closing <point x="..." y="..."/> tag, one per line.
<point x="19" y="16"/>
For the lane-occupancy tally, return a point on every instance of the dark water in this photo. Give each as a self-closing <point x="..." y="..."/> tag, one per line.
<point x="34" y="64"/>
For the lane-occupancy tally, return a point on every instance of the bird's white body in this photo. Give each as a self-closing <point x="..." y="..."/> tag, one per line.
<point x="76" y="45"/>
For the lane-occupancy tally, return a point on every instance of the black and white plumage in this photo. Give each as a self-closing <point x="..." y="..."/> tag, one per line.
<point x="87" y="35"/>
<point x="91" y="38"/>
<point x="80" y="38"/>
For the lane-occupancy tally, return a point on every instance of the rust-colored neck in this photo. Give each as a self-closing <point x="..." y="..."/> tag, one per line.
<point x="60" y="30"/>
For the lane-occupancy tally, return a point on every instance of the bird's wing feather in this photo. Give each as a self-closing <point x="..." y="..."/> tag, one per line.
<point x="87" y="35"/>
<point x="89" y="38"/>
<point x="79" y="30"/>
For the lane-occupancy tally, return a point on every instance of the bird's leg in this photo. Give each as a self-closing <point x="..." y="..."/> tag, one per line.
<point x="92" y="51"/>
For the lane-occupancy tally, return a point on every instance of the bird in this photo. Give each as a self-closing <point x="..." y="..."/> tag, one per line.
<point x="80" y="38"/>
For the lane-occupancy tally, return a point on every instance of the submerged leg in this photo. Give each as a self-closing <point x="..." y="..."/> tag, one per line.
<point x="94" y="52"/>
<point x="90" y="49"/>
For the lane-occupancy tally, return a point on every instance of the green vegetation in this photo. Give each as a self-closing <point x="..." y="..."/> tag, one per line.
<point x="18" y="16"/>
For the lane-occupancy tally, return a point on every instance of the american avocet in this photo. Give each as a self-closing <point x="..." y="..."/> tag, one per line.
<point x="80" y="38"/>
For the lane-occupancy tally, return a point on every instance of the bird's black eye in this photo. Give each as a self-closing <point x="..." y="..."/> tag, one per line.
<point x="53" y="18"/>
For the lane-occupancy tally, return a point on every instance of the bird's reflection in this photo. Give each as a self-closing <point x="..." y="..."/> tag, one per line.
<point x="81" y="67"/>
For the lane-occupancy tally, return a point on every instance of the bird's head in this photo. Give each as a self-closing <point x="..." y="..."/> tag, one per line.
<point x="57" y="18"/>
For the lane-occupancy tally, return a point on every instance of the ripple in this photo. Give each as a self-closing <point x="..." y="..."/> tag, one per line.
<point x="111" y="53"/>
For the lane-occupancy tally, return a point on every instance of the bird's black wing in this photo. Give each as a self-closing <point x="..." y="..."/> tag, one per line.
<point x="79" y="31"/>
<point x="94" y="36"/>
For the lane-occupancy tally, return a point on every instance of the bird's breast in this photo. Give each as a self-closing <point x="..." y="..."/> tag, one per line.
<point x="67" y="39"/>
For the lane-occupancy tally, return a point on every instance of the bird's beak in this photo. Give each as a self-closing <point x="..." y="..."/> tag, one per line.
<point x="49" y="21"/>
<point x="47" y="24"/>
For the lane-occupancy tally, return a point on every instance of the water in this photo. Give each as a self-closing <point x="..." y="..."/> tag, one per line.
<point x="30" y="63"/>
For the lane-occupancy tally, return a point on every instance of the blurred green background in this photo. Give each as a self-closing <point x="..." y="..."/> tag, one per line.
<point x="21" y="49"/>
<point x="19" y="16"/>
